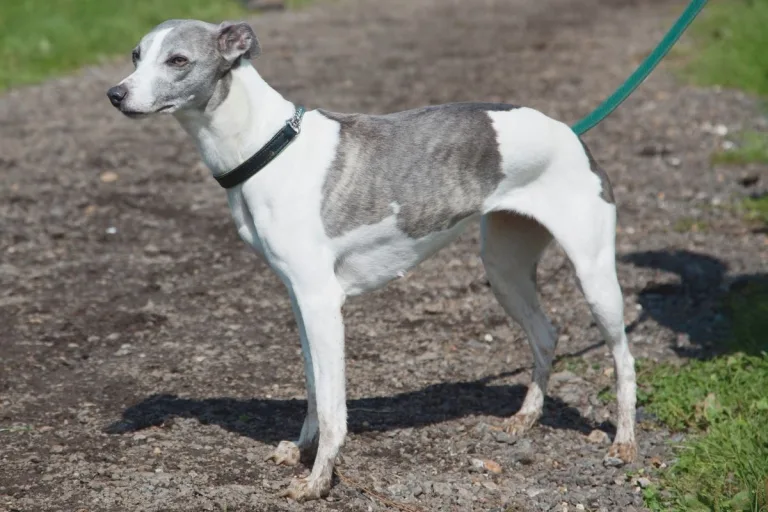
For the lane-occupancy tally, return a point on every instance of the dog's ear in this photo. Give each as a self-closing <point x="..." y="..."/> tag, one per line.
<point x="237" y="40"/>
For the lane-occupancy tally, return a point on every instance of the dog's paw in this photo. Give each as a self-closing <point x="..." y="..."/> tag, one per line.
<point x="621" y="453"/>
<point x="305" y="489"/>
<point x="287" y="453"/>
<point x="519" y="424"/>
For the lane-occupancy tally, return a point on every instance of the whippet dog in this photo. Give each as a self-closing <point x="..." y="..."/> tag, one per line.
<point x="341" y="204"/>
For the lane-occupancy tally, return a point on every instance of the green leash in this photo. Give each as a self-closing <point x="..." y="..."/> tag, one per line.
<point x="642" y="72"/>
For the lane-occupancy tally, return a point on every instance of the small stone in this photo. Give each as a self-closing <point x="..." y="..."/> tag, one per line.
<point x="613" y="462"/>
<point x="492" y="466"/>
<point x="124" y="350"/>
<point x="643" y="482"/>
<point x="442" y="488"/>
<point x="488" y="338"/>
<point x="108" y="177"/>
<point x="532" y="493"/>
<point x="491" y="486"/>
<point x="564" y="376"/>
<point x="111" y="230"/>
<point x="503" y="437"/>
<point x="598" y="437"/>
<point x="399" y="490"/>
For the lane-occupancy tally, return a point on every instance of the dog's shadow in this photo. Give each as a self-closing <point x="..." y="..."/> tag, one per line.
<point x="272" y="420"/>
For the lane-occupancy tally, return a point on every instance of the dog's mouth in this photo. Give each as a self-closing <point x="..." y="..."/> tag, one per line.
<point x="135" y="114"/>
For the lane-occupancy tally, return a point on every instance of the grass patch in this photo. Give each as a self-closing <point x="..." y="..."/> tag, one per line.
<point x="723" y="404"/>
<point x="607" y="395"/>
<point x="730" y="41"/>
<point x="573" y="364"/>
<point x="43" y="38"/>
<point x="757" y="209"/>
<point x="752" y="147"/>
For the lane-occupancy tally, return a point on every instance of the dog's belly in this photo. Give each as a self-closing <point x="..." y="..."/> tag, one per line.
<point x="370" y="256"/>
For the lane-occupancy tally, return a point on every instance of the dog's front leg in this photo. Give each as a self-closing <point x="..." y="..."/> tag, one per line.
<point x="323" y="329"/>
<point x="289" y="453"/>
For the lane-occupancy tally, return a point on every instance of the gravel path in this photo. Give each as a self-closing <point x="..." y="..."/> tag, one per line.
<point x="149" y="362"/>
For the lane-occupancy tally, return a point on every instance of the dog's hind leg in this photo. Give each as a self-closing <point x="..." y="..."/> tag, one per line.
<point x="584" y="224"/>
<point x="587" y="234"/>
<point x="511" y="247"/>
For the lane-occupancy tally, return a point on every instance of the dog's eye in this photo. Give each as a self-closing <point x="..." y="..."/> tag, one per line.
<point x="178" y="61"/>
<point x="135" y="55"/>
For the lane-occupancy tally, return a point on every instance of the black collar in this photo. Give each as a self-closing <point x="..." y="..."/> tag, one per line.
<point x="266" y="154"/>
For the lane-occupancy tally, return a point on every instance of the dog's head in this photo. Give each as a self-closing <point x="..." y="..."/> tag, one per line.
<point x="179" y="65"/>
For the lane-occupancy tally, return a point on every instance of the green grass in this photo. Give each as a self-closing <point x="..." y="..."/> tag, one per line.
<point x="723" y="404"/>
<point x="43" y="38"/>
<point x="757" y="208"/>
<point x="751" y="147"/>
<point x="730" y="46"/>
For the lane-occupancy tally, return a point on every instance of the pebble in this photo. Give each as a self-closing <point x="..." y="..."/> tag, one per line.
<point x="442" y="488"/>
<point x="124" y="350"/>
<point x="492" y="466"/>
<point x="399" y="490"/>
<point x="503" y="437"/>
<point x="643" y="482"/>
<point x="108" y="177"/>
<point x="598" y="437"/>
<point x="533" y="492"/>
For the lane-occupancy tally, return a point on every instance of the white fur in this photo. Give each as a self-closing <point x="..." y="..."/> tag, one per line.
<point x="140" y="81"/>
<point x="278" y="213"/>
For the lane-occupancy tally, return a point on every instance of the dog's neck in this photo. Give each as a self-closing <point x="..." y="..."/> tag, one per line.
<point x="247" y="117"/>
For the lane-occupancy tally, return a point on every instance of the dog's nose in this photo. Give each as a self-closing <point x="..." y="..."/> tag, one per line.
<point x="117" y="94"/>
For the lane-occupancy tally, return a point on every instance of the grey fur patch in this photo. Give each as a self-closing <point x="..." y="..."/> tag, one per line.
<point x="436" y="164"/>
<point x="606" y="192"/>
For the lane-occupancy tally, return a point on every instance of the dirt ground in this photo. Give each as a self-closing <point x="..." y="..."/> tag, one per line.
<point x="150" y="362"/>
